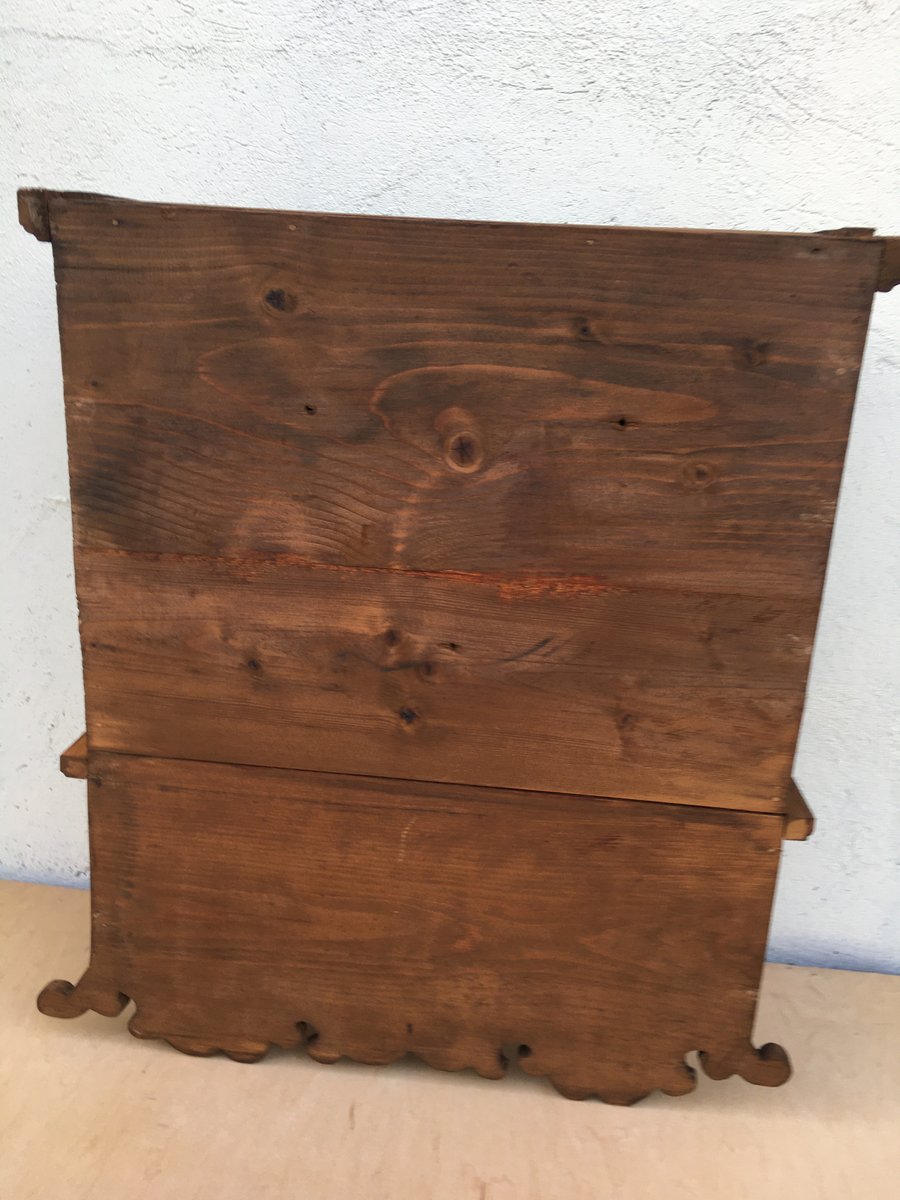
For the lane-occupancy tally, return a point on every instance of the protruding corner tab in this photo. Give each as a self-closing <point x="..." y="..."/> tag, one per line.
<point x="889" y="273"/>
<point x="798" y="819"/>
<point x="848" y="231"/>
<point x="73" y="762"/>
<point x="34" y="212"/>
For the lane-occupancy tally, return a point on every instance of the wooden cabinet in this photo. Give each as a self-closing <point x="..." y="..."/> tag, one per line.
<point x="447" y="592"/>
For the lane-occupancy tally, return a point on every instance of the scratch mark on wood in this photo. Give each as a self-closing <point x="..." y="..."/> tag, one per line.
<point x="401" y="851"/>
<point x="527" y="653"/>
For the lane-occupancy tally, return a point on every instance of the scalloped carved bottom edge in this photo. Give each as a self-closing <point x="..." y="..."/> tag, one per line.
<point x="767" y="1066"/>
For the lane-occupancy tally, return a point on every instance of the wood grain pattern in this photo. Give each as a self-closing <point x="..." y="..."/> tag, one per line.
<point x="650" y="407"/>
<point x="361" y="503"/>
<point x="241" y="907"/>
<point x="638" y="433"/>
<point x="568" y="686"/>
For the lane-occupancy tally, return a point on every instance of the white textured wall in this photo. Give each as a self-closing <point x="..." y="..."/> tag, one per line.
<point x="757" y="114"/>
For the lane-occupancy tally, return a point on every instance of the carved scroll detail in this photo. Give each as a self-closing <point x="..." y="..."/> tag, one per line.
<point x="63" y="999"/>
<point x="768" y="1066"/>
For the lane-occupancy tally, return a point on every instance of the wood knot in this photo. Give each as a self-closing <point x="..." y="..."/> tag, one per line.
<point x="279" y="300"/>
<point x="463" y="452"/>
<point x="697" y="476"/>
<point x="461" y="442"/>
<point x="750" y="353"/>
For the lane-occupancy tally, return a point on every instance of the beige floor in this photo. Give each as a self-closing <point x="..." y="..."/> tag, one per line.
<point x="87" y="1111"/>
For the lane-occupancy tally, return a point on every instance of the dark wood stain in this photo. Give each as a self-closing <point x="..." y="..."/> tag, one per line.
<point x="243" y="907"/>
<point x="447" y="592"/>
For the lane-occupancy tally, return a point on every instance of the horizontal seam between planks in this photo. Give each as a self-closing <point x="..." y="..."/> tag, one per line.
<point x="473" y="787"/>
<point x="511" y="580"/>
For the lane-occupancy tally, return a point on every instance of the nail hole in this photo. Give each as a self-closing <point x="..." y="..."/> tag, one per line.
<point x="409" y="1027"/>
<point x="391" y="637"/>
<point x="407" y="715"/>
<point x="254" y="664"/>
<point x="311" y="409"/>
<point x="622" y="422"/>
<point x="454" y="646"/>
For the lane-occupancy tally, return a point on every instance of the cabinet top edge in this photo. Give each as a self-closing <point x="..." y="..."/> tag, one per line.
<point x="36" y="204"/>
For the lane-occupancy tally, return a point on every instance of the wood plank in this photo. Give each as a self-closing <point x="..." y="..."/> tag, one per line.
<point x="652" y="408"/>
<point x="620" y="448"/>
<point x="240" y="907"/>
<point x="73" y="761"/>
<point x="570" y="687"/>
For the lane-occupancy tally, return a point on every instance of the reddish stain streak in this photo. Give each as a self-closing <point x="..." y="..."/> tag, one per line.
<point x="253" y="564"/>
<point x="537" y="586"/>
